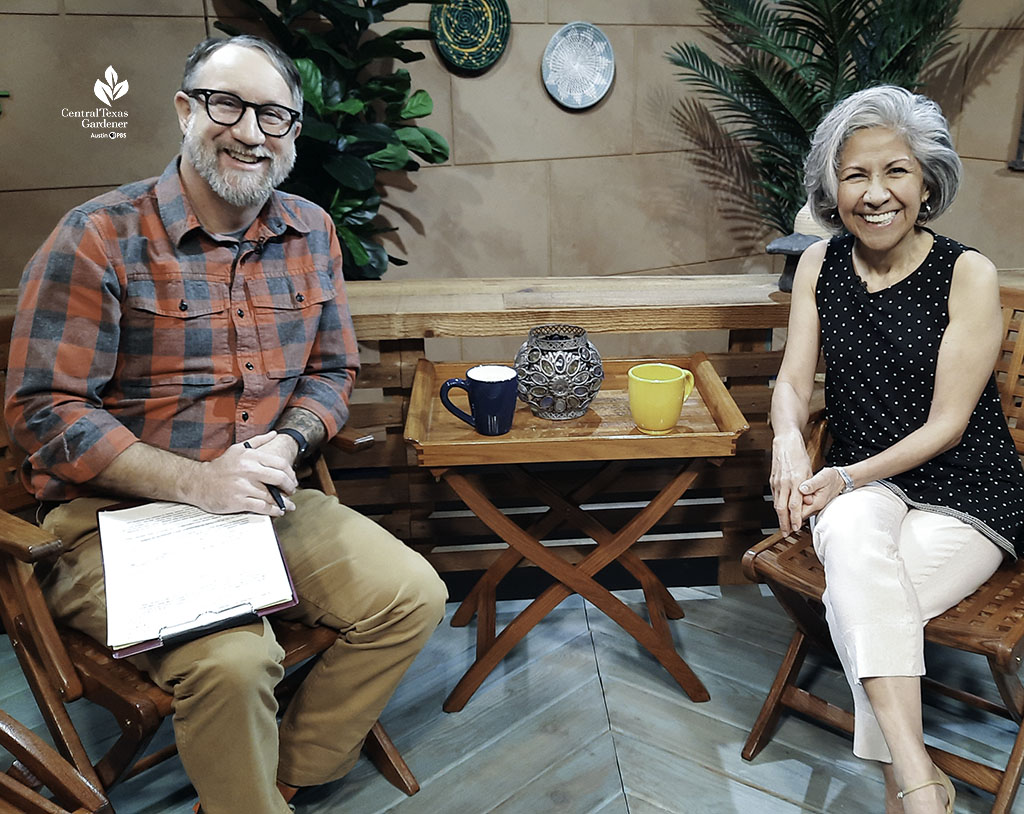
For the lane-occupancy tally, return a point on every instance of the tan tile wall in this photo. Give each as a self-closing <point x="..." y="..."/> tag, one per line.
<point x="531" y="189"/>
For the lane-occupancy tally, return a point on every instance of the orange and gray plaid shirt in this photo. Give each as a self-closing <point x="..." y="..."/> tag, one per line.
<point x="134" y="323"/>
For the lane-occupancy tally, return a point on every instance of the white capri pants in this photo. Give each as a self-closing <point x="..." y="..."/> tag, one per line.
<point x="889" y="569"/>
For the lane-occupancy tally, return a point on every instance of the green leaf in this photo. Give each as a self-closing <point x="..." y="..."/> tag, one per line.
<point x="312" y="84"/>
<point x="419" y="104"/>
<point x="426" y="143"/>
<point x="359" y="255"/>
<point x="351" y="171"/>
<point x="350" y="107"/>
<point x="375" y="132"/>
<point x="318" y="130"/>
<point x="438" y="142"/>
<point x="382" y="48"/>
<point x="321" y="44"/>
<point x="392" y="157"/>
<point x="390" y="88"/>
<point x="377" y="263"/>
<point x="355" y="211"/>
<point x="407" y="32"/>
<point x="412" y="138"/>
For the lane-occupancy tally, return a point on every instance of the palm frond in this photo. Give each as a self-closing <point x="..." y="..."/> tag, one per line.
<point x="785" y="63"/>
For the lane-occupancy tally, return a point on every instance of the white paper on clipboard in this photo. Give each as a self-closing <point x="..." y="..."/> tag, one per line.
<point x="172" y="567"/>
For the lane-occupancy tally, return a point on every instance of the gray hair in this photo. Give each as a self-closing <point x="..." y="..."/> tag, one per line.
<point x="916" y="118"/>
<point x="278" y="58"/>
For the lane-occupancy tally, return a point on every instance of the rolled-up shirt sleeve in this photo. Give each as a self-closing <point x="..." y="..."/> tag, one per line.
<point x="326" y="384"/>
<point x="63" y="353"/>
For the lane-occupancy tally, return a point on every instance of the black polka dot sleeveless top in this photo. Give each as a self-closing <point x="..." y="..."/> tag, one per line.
<point x="880" y="353"/>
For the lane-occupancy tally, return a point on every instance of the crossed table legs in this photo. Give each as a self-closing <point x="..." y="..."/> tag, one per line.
<point x="655" y="636"/>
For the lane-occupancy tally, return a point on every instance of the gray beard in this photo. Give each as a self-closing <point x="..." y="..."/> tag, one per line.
<point x="241" y="189"/>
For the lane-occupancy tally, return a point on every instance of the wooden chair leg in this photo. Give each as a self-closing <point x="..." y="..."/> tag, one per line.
<point x="383" y="753"/>
<point x="764" y="726"/>
<point x="1010" y="781"/>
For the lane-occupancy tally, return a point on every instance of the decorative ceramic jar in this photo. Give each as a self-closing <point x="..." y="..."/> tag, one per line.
<point x="559" y="371"/>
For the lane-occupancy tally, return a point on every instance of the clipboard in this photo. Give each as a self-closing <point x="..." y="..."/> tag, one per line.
<point x="173" y="573"/>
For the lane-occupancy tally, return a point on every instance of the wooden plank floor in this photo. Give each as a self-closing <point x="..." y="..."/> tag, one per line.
<point x="579" y="720"/>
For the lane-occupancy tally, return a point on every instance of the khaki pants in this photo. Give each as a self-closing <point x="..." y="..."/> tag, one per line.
<point x="350" y="574"/>
<point x="888" y="570"/>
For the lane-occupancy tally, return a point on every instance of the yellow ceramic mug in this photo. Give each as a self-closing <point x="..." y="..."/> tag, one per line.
<point x="656" y="395"/>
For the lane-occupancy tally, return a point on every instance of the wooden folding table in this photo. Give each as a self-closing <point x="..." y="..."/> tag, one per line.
<point x="707" y="431"/>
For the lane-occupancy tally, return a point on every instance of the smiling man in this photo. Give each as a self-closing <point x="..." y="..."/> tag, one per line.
<point x="187" y="338"/>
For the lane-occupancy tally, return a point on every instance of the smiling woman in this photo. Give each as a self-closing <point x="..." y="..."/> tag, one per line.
<point x="924" y="494"/>
<point x="881" y="193"/>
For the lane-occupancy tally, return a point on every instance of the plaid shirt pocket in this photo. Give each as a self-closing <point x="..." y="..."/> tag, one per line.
<point x="287" y="312"/>
<point x="174" y="337"/>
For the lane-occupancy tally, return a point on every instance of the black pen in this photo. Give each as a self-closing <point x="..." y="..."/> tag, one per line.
<point x="274" y="491"/>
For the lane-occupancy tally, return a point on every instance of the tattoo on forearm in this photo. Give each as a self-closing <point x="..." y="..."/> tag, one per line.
<point x="305" y="422"/>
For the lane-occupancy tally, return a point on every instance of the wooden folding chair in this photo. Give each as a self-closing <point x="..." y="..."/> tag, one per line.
<point x="63" y="665"/>
<point x="72" y="793"/>
<point x="989" y="622"/>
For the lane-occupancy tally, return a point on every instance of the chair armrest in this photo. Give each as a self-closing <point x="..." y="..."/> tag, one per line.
<point x="752" y="553"/>
<point x="25" y="541"/>
<point x="69" y="787"/>
<point x="350" y="439"/>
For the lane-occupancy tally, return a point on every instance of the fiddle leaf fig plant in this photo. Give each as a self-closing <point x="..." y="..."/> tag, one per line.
<point x="359" y="114"/>
<point x="783" y="64"/>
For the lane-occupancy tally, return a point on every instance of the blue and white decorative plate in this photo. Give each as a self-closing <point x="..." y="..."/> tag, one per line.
<point x="578" y="65"/>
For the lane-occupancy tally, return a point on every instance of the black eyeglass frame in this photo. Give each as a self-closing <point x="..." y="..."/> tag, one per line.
<point x="205" y="93"/>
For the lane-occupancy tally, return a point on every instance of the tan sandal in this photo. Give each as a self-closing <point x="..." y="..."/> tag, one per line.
<point x="943" y="781"/>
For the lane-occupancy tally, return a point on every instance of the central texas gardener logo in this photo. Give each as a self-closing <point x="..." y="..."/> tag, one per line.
<point x="110" y="90"/>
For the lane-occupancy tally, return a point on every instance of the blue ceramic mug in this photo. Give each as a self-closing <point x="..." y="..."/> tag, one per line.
<point x="492" y="398"/>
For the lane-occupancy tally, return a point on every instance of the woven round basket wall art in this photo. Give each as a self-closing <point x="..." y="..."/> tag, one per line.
<point x="471" y="34"/>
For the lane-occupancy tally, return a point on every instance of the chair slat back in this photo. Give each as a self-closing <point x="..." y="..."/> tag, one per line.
<point x="1010" y="364"/>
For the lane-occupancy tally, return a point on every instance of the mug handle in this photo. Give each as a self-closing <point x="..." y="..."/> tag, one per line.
<point x="687" y="384"/>
<point x="448" y="385"/>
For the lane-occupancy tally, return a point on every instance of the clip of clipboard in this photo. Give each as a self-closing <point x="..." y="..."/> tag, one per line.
<point x="206" y="623"/>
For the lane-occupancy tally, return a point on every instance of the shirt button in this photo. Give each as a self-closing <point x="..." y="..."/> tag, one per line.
<point x="240" y="312"/>
<point x="182" y="306"/>
<point x="300" y="298"/>
<point x="249" y="366"/>
<point x="245" y="416"/>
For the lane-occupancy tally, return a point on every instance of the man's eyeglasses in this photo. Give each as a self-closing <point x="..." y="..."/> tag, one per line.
<point x="228" y="108"/>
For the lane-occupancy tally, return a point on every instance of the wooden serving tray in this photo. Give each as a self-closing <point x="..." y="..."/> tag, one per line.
<point x="708" y="427"/>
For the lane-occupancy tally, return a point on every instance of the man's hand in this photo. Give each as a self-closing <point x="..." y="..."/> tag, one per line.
<point x="791" y="468"/>
<point x="237" y="481"/>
